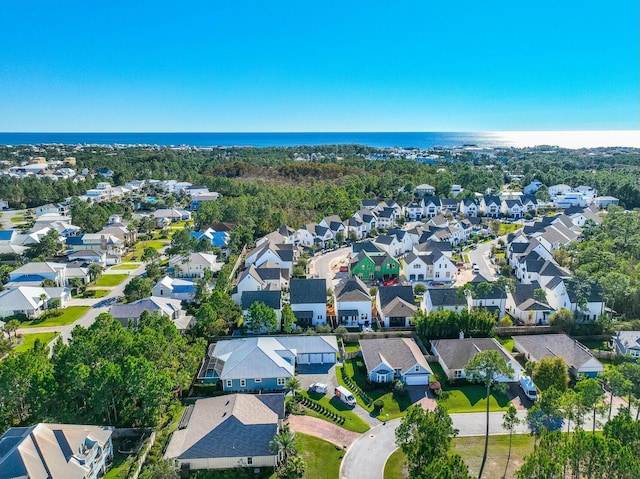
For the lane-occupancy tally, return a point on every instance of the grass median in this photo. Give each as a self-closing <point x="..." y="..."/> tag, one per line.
<point x="110" y="280"/>
<point x="28" y="340"/>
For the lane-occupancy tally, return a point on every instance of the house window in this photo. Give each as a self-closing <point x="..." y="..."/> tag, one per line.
<point x="457" y="374"/>
<point x="417" y="368"/>
<point x="437" y="274"/>
<point x="257" y="380"/>
<point x="243" y="383"/>
<point x="229" y="383"/>
<point x="280" y="381"/>
<point x="249" y="461"/>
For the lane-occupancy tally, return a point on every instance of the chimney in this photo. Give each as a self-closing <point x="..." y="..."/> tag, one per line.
<point x="461" y="335"/>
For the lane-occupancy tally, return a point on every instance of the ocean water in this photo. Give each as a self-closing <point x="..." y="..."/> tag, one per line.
<point x="565" y="139"/>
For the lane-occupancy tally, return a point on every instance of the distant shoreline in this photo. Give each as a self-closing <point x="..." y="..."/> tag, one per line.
<point x="420" y="140"/>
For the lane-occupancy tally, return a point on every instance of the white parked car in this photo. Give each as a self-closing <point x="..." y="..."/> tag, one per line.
<point x="319" y="388"/>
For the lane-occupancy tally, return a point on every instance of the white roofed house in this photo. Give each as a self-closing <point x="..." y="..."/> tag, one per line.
<point x="353" y="303"/>
<point x="560" y="189"/>
<point x="605" y="201"/>
<point x="627" y="342"/>
<point x="30" y="301"/>
<point x="90" y="256"/>
<point x="194" y="265"/>
<point x="172" y="214"/>
<point x="175" y="288"/>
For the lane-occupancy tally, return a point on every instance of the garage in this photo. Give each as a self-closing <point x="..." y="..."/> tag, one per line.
<point x="417" y="380"/>
<point x="313" y="358"/>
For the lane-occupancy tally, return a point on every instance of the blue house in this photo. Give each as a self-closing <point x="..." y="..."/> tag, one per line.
<point x="264" y="363"/>
<point x="218" y="239"/>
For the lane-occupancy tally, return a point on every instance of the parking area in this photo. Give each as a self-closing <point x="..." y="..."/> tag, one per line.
<point x="317" y="373"/>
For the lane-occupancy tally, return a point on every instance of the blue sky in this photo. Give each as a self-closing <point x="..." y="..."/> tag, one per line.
<point x="319" y="66"/>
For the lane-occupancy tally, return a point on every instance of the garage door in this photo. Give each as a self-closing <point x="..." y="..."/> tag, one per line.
<point x="417" y="379"/>
<point x="315" y="358"/>
<point x="329" y="358"/>
<point x="303" y="359"/>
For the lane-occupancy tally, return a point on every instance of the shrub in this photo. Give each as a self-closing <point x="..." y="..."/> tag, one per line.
<point x="399" y="387"/>
<point x="378" y="404"/>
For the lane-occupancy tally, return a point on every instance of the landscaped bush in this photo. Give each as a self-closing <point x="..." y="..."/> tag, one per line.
<point x="378" y="404"/>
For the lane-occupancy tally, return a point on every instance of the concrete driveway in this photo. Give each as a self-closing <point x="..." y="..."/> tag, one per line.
<point x="317" y="373"/>
<point x="480" y="256"/>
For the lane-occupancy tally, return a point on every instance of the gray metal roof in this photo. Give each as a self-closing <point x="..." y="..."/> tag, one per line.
<point x="255" y="357"/>
<point x="456" y="353"/>
<point x="552" y="345"/>
<point x="304" y="291"/>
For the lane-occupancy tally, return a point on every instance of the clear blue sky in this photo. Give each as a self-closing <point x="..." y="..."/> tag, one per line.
<point x="284" y="65"/>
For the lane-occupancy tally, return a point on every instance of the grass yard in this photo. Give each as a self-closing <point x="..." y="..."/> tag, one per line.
<point x="17" y="219"/>
<point x="468" y="397"/>
<point x="396" y="466"/>
<point x="155" y="244"/>
<point x="28" y="340"/>
<point x="506" y="342"/>
<point x="126" y="266"/>
<point x="395" y="404"/>
<point x="471" y="449"/>
<point x="596" y="344"/>
<point x="506" y="228"/>
<point x="52" y="318"/>
<point x="323" y="458"/>
<point x="333" y="404"/>
<point x="110" y="279"/>
<point x="96" y="293"/>
<point x="351" y="347"/>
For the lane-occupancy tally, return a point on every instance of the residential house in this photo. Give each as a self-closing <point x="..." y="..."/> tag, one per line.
<point x="451" y="299"/>
<point x="35" y="273"/>
<point x="172" y="214"/>
<point x="395" y="358"/>
<point x="386" y="218"/>
<point x="627" y="342"/>
<point x="264" y="363"/>
<point x="415" y="209"/>
<point x="454" y="355"/>
<point x="450" y="206"/>
<point x="603" y="202"/>
<point x="31" y="301"/>
<point x="194" y="265"/>
<point x="532" y="187"/>
<point x="432" y="206"/>
<point x="175" y="288"/>
<point x="389" y="244"/>
<point x="355" y="226"/>
<point x="335" y="224"/>
<point x="369" y="204"/>
<point x="585" y="301"/>
<point x="283" y="255"/>
<point x="368" y="218"/>
<point x="89" y="256"/>
<point x="370" y="266"/>
<point x="578" y="358"/>
<point x="198" y="198"/>
<point x="433" y="266"/>
<point x="68" y="451"/>
<point x="353" y="303"/>
<point x="490" y="206"/>
<point x="114" y="246"/>
<point x="395" y="305"/>
<point x="528" y="304"/>
<point x="228" y="432"/>
<point x="424" y="190"/>
<point x="529" y="203"/>
<point x="512" y="208"/>
<point x="560" y="189"/>
<point x="308" y="299"/>
<point x="488" y="296"/>
<point x="129" y="313"/>
<point x="469" y="207"/>
<point x="271" y="298"/>
<point x="315" y="235"/>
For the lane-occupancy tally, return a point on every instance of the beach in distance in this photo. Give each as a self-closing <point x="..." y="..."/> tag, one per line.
<point x="564" y="139"/>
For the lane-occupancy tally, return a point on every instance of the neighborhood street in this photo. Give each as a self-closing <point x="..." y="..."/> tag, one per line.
<point x="320" y="266"/>
<point x="480" y="256"/>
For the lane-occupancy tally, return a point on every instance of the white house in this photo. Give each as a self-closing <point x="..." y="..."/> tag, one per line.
<point x="560" y="189"/>
<point x="194" y="265"/>
<point x="396" y="306"/>
<point x="353" y="303"/>
<point x="308" y="299"/>
<point x="528" y="303"/>
<point x="174" y="288"/>
<point x="627" y="342"/>
<point x="490" y="206"/>
<point x="469" y="207"/>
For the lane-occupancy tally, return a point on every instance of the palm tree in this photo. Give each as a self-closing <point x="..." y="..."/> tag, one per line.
<point x="293" y="384"/>
<point x="12" y="326"/>
<point x="95" y="271"/>
<point x="284" y="443"/>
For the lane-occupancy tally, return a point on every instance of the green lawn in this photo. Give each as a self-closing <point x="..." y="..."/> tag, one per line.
<point x="351" y="347"/>
<point x="506" y="228"/>
<point x="110" y="279"/>
<point x="471" y="449"/>
<point x="596" y="344"/>
<point x="506" y="342"/>
<point x="52" y="318"/>
<point x="96" y="293"/>
<point x="323" y="458"/>
<point x="395" y="404"/>
<point x="29" y="339"/>
<point x="396" y="466"/>
<point x="333" y="404"/>
<point x="467" y="397"/>
<point x="156" y="244"/>
<point x="127" y="266"/>
<point x="17" y="219"/>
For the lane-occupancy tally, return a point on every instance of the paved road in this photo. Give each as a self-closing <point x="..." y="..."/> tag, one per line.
<point x="321" y="266"/>
<point x="480" y="256"/>
<point x="366" y="457"/>
<point x="5" y="220"/>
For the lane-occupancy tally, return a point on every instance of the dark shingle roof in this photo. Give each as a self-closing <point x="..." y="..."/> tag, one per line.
<point x="456" y="353"/>
<point x="353" y="290"/>
<point x="447" y="297"/>
<point x="308" y="291"/>
<point x="551" y="345"/>
<point x="270" y="298"/>
<point x="397" y="353"/>
<point x="389" y="293"/>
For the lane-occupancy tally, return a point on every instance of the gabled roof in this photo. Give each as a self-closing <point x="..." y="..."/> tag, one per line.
<point x="388" y="293"/>
<point x="254" y="357"/>
<point x="491" y="200"/>
<point x="456" y="353"/>
<point x="237" y="425"/>
<point x="166" y="306"/>
<point x="48" y="450"/>
<point x="396" y="353"/>
<point x="352" y="290"/>
<point x="432" y="201"/>
<point x="628" y="339"/>
<point x="305" y="291"/>
<point x="273" y="299"/>
<point x="524" y="297"/>
<point x="368" y="246"/>
<point x="593" y="292"/>
<point x="552" y="345"/>
<point x="442" y="297"/>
